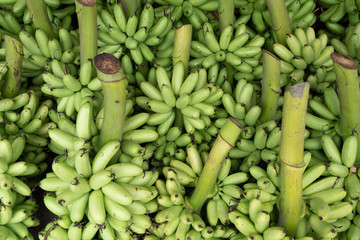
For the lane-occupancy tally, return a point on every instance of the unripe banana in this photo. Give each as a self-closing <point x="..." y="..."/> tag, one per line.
<point x="115" y="209"/>
<point x="274" y="233"/>
<point x="352" y="186"/>
<point x="322" y="228"/>
<point x="77" y="208"/>
<point x="330" y="149"/>
<point x="320" y="208"/>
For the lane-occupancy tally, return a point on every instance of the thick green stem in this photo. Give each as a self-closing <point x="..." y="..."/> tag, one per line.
<point x="347" y="83"/>
<point x="224" y="143"/>
<point x="270" y="86"/>
<point x="39" y="15"/>
<point x="112" y="77"/>
<point x="280" y="19"/>
<point x="86" y="14"/>
<point x="182" y="46"/>
<point x="130" y="7"/>
<point x="291" y="156"/>
<point x="226" y="13"/>
<point x="14" y="56"/>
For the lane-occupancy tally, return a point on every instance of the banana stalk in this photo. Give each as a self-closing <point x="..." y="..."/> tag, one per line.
<point x="280" y="19"/>
<point x="182" y="46"/>
<point x="86" y="14"/>
<point x="226" y="13"/>
<point x="291" y="156"/>
<point x="39" y="15"/>
<point x="14" y="56"/>
<point x="225" y="141"/>
<point x="112" y="77"/>
<point x="270" y="90"/>
<point x="349" y="95"/>
<point x="130" y="7"/>
<point x="181" y="53"/>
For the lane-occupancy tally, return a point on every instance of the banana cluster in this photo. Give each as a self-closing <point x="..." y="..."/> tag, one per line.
<point x="195" y="11"/>
<point x="257" y="144"/>
<point x="16" y="220"/>
<point x="330" y="189"/>
<point x="322" y="118"/>
<point x="300" y="14"/>
<point x="42" y="52"/>
<point x="349" y="45"/>
<point x="234" y="47"/>
<point x="137" y="34"/>
<point x="25" y="123"/>
<point x="305" y="53"/>
<point x="24" y="134"/>
<point x="70" y="92"/>
<point x="336" y="11"/>
<point x="187" y="99"/>
<point x="114" y="197"/>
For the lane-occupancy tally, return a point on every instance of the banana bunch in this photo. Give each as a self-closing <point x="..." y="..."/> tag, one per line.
<point x="234" y="47"/>
<point x="25" y="122"/>
<point x="263" y="144"/>
<point x="305" y="53"/>
<point x="349" y="45"/>
<point x="52" y="54"/>
<point x="331" y="189"/>
<point x="338" y="12"/>
<point x="10" y="20"/>
<point x="59" y="15"/>
<point x="255" y="12"/>
<point x="138" y="34"/>
<point x="187" y="100"/>
<point x="113" y="196"/>
<point x="112" y="228"/>
<point x="322" y="117"/>
<point x="16" y="221"/>
<point x="195" y="11"/>
<point x="175" y="219"/>
<point x="70" y="92"/>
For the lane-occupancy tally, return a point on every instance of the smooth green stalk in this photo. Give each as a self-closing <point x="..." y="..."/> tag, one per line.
<point x="86" y="14"/>
<point x="130" y="7"/>
<point x="112" y="77"/>
<point x="280" y="19"/>
<point x="225" y="141"/>
<point x="39" y="15"/>
<point x="14" y="56"/>
<point x="291" y="156"/>
<point x="270" y="90"/>
<point x="182" y="46"/>
<point x="347" y="83"/>
<point x="226" y="13"/>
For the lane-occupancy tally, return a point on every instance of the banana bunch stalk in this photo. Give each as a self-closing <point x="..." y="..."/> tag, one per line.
<point x="348" y="91"/>
<point x="14" y="55"/>
<point x="305" y="54"/>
